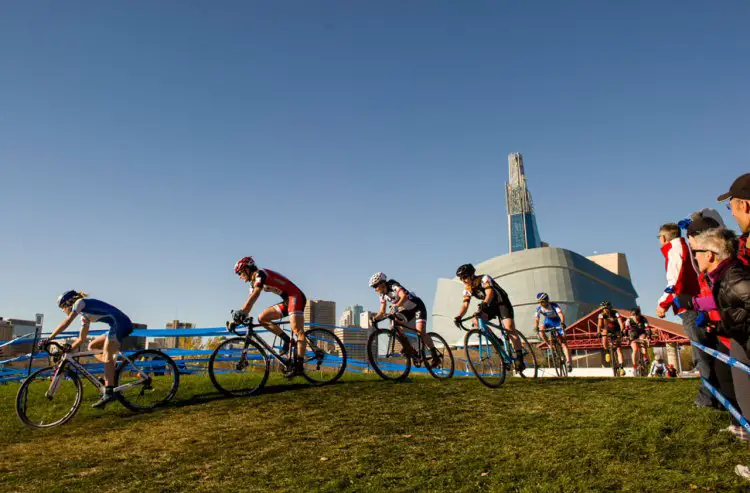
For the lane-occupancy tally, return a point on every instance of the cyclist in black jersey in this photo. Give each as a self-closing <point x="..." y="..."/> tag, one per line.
<point x="609" y="326"/>
<point x="495" y="304"/>
<point x="639" y="333"/>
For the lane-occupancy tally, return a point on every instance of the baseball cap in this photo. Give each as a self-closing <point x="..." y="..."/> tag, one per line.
<point x="740" y="189"/>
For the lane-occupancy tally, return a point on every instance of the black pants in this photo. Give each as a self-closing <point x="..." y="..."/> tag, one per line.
<point x="704" y="362"/>
<point x="741" y="379"/>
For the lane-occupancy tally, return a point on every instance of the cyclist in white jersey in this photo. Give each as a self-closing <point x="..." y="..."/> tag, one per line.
<point x="554" y="318"/>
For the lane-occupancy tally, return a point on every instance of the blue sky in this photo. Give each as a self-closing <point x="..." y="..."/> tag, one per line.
<point x="145" y="146"/>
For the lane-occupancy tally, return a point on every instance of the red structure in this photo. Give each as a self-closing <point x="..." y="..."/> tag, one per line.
<point x="582" y="333"/>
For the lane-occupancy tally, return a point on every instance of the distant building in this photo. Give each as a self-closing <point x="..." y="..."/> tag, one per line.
<point x="21" y="327"/>
<point x="355" y="338"/>
<point x="182" y="342"/>
<point x="351" y="316"/>
<point x="523" y="232"/>
<point x="6" y="330"/>
<point x="320" y="312"/>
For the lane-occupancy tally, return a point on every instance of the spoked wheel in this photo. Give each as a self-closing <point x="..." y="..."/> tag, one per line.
<point x="44" y="401"/>
<point x="442" y="366"/>
<point x="325" y="357"/>
<point x="384" y="354"/>
<point x="561" y="366"/>
<point x="485" y="359"/>
<point x="236" y="370"/>
<point x="530" y="366"/>
<point x="154" y="377"/>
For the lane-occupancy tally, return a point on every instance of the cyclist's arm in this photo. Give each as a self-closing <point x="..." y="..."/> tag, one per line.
<point x="381" y="312"/>
<point x="84" y="332"/>
<point x="252" y="299"/>
<point x="489" y="294"/>
<point x="402" y="296"/>
<point x="619" y="322"/>
<point x="536" y="322"/>
<point x="464" y="308"/>
<point x="599" y="324"/>
<point x="562" y="316"/>
<point x="63" y="325"/>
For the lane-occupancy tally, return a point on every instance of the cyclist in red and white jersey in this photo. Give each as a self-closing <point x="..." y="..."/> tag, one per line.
<point x="292" y="304"/>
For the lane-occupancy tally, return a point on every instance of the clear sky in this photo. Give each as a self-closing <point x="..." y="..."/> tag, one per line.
<point x="146" y="146"/>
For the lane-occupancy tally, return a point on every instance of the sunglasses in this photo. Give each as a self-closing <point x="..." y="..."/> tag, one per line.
<point x="700" y="251"/>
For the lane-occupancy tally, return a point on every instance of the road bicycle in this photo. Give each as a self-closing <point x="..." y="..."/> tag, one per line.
<point x="240" y="365"/>
<point x="557" y="358"/>
<point x="52" y="395"/>
<point x="392" y="355"/>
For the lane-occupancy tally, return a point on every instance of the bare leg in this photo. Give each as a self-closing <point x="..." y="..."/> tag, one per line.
<point x="422" y="330"/>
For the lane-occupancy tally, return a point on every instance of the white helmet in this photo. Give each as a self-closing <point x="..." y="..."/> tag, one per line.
<point x="377" y="278"/>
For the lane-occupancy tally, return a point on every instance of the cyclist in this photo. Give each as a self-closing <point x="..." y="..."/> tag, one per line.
<point x="639" y="333"/>
<point x="609" y="326"/>
<point x="75" y="303"/>
<point x="292" y="304"/>
<point x="554" y="319"/>
<point x="658" y="368"/>
<point x="407" y="304"/>
<point x="495" y="303"/>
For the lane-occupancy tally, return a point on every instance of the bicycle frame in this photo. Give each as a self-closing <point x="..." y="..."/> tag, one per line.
<point x="68" y="359"/>
<point x="502" y="343"/>
<point x="251" y="335"/>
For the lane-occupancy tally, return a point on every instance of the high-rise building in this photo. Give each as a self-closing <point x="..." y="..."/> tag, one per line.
<point x="320" y="312"/>
<point x="523" y="233"/>
<point x="355" y="338"/>
<point x="351" y="316"/>
<point x="176" y="342"/>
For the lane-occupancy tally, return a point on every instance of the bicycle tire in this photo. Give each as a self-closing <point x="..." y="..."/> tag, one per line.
<point x="440" y="372"/>
<point x="312" y="368"/>
<point x="529" y="357"/>
<point x="488" y="368"/>
<point x="222" y="363"/>
<point x="23" y="391"/>
<point x="157" y="365"/>
<point x="559" y="360"/>
<point x="392" y="371"/>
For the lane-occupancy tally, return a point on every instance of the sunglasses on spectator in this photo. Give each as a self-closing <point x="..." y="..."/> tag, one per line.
<point x="699" y="251"/>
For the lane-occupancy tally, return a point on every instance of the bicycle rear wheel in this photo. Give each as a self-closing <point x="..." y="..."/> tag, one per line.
<point x="40" y="405"/>
<point x="236" y="370"/>
<point x="325" y="357"/>
<point x="485" y="359"/>
<point x="441" y="367"/>
<point x="160" y="384"/>
<point x="530" y="365"/>
<point x="384" y="354"/>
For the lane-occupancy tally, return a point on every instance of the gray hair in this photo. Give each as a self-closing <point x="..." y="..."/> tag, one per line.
<point x="721" y="241"/>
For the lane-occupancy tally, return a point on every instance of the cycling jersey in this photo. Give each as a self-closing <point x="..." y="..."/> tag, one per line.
<point x="294" y="300"/>
<point x="636" y="329"/>
<point x="658" y="368"/>
<point x="551" y="314"/>
<point x="92" y="310"/>
<point x="610" y="322"/>
<point x="500" y="305"/>
<point x="393" y="294"/>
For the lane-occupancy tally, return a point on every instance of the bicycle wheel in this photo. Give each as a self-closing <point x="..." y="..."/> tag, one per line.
<point x="562" y="362"/>
<point x="613" y="362"/>
<point x="442" y="366"/>
<point x="485" y="359"/>
<point x="236" y="371"/>
<point x="555" y="359"/>
<point x="153" y="376"/>
<point x="39" y="405"/>
<point x="325" y="357"/>
<point x="530" y="366"/>
<point x="384" y="354"/>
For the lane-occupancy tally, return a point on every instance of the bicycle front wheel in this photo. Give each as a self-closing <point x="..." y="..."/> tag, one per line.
<point x="47" y="399"/>
<point x="530" y="365"/>
<point x="561" y="367"/>
<point x="152" y="377"/>
<point x="485" y="359"/>
<point x="325" y="357"/>
<point x="440" y="367"/>
<point x="236" y="370"/>
<point x="384" y="351"/>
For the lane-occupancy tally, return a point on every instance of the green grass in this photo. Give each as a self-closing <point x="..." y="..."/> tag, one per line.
<point x="364" y="434"/>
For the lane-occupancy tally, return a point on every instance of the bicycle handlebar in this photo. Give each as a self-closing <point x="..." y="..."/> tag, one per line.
<point x="460" y="323"/>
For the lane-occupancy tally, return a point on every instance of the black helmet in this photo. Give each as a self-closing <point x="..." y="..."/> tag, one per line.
<point x="637" y="310"/>
<point x="465" y="270"/>
<point x="605" y="304"/>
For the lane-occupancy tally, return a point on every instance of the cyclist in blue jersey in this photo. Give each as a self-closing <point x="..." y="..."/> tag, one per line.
<point x="554" y="318"/>
<point x="75" y="303"/>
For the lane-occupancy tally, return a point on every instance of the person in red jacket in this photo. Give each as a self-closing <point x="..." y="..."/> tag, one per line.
<point x="682" y="281"/>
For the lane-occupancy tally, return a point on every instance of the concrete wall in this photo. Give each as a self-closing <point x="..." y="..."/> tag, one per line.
<point x="573" y="281"/>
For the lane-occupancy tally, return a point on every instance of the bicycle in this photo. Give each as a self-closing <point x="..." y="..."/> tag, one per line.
<point x="489" y="356"/>
<point x="396" y="361"/>
<point x="642" y="367"/>
<point x="618" y="369"/>
<point x="144" y="380"/>
<point x="240" y="366"/>
<point x="557" y="355"/>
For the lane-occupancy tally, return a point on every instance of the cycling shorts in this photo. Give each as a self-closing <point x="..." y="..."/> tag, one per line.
<point x="555" y="324"/>
<point x="291" y="305"/>
<point x="416" y="314"/>
<point x="120" y="330"/>
<point x="499" y="310"/>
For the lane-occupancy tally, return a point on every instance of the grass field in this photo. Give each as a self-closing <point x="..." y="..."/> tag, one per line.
<point x="364" y="434"/>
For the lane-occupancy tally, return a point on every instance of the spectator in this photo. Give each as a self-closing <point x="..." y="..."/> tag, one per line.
<point x="739" y="203"/>
<point x="671" y="371"/>
<point x="658" y="368"/>
<point x="683" y="281"/>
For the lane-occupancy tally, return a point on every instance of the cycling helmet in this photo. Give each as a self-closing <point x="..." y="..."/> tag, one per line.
<point x="242" y="263"/>
<point x="465" y="270"/>
<point x="377" y="278"/>
<point x="637" y="311"/>
<point x="66" y="298"/>
<point x="542" y="297"/>
<point x="606" y="304"/>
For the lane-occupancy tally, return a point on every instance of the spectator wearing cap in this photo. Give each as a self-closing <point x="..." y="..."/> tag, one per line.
<point x="739" y="203"/>
<point x="709" y="319"/>
<point x="682" y="281"/>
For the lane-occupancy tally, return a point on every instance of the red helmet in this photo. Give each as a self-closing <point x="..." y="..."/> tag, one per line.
<point x="242" y="263"/>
